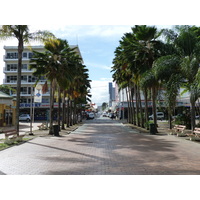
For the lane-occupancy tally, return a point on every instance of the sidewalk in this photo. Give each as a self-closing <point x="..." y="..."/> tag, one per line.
<point x="103" y="147"/>
<point x="163" y="127"/>
<point x="25" y="129"/>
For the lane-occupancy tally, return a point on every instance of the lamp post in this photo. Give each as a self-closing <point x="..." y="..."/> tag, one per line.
<point x="31" y="111"/>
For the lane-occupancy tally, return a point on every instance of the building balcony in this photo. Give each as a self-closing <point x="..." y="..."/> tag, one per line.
<point x="14" y="58"/>
<point x="26" y="94"/>
<point x="23" y="82"/>
<point x="15" y="70"/>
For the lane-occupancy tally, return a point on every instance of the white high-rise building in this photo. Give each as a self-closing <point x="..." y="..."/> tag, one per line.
<point x="27" y="79"/>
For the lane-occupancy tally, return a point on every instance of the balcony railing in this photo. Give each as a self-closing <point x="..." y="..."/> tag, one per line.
<point x="15" y="70"/>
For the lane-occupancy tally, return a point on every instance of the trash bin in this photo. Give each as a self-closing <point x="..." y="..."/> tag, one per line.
<point x="56" y="130"/>
<point x="152" y="129"/>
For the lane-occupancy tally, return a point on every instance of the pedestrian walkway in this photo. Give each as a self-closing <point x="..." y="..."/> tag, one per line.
<point x="103" y="147"/>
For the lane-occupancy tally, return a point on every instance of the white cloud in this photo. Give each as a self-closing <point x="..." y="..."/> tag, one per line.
<point x="66" y="31"/>
<point x="96" y="65"/>
<point x="99" y="91"/>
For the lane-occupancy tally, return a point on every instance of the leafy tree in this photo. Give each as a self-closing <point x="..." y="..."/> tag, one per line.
<point x="104" y="105"/>
<point x="7" y="89"/>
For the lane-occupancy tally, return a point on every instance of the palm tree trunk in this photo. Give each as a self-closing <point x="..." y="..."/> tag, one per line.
<point x="59" y="107"/>
<point x="68" y="113"/>
<point x="51" y="108"/>
<point x="127" y="96"/>
<point x="80" y="111"/>
<point x="170" y="117"/>
<point x="154" y="107"/>
<point x="137" y="106"/>
<point x="20" y="51"/>
<point x="133" y="105"/>
<point x="146" y="107"/>
<point x="63" y="110"/>
<point x="141" y="110"/>
<point x="74" y="113"/>
<point x="192" y="114"/>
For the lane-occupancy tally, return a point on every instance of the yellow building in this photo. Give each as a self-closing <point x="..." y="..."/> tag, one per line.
<point x="7" y="110"/>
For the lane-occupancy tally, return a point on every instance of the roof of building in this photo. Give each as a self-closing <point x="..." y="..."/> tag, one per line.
<point x="42" y="47"/>
<point x="5" y="96"/>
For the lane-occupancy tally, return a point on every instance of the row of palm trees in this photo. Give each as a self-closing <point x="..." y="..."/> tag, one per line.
<point x="59" y="64"/>
<point x="68" y="77"/>
<point x="148" y="60"/>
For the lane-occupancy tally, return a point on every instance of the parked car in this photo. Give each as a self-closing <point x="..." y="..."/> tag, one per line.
<point x="25" y="117"/>
<point x="105" y="114"/>
<point x="90" y="116"/>
<point x="177" y="116"/>
<point x="160" y="115"/>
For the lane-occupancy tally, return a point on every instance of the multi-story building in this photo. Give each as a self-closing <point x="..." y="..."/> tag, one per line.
<point x="111" y="90"/>
<point x="27" y="79"/>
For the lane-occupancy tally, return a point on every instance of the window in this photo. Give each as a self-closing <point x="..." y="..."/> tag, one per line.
<point x="24" y="78"/>
<point x="13" y="67"/>
<point x="45" y="100"/>
<point x="13" y="55"/>
<point x="25" y="55"/>
<point x="30" y="55"/>
<point x="31" y="79"/>
<point x="24" y="67"/>
<point x="23" y="90"/>
<point x="11" y="79"/>
<point x="23" y="100"/>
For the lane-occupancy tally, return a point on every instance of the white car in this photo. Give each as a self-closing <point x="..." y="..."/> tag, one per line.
<point x="90" y="116"/>
<point x="160" y="115"/>
<point x="105" y="114"/>
<point x="25" y="117"/>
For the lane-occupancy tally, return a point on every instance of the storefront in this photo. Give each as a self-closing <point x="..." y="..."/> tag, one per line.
<point x="7" y="110"/>
<point x="40" y="110"/>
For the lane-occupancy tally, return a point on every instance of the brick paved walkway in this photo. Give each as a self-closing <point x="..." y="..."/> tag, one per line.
<point x="103" y="147"/>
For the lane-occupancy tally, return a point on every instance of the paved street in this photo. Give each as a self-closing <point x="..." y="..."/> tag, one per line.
<point x="103" y="147"/>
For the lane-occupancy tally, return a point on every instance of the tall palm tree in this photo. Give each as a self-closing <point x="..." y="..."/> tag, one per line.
<point x="52" y="64"/>
<point x="137" y="52"/>
<point x="168" y="72"/>
<point x="187" y="43"/>
<point x="148" y="49"/>
<point x="23" y="35"/>
<point x="61" y="65"/>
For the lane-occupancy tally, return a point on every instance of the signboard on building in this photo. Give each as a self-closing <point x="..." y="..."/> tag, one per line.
<point x="38" y="94"/>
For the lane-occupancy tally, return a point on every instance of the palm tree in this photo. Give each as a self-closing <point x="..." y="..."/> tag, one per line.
<point x="147" y="49"/>
<point x="187" y="43"/>
<point x="22" y="34"/>
<point x="62" y="67"/>
<point x="136" y="54"/>
<point x="52" y="64"/>
<point x="168" y="72"/>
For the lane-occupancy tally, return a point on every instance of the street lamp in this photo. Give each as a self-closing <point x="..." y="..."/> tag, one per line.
<point x="31" y="112"/>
